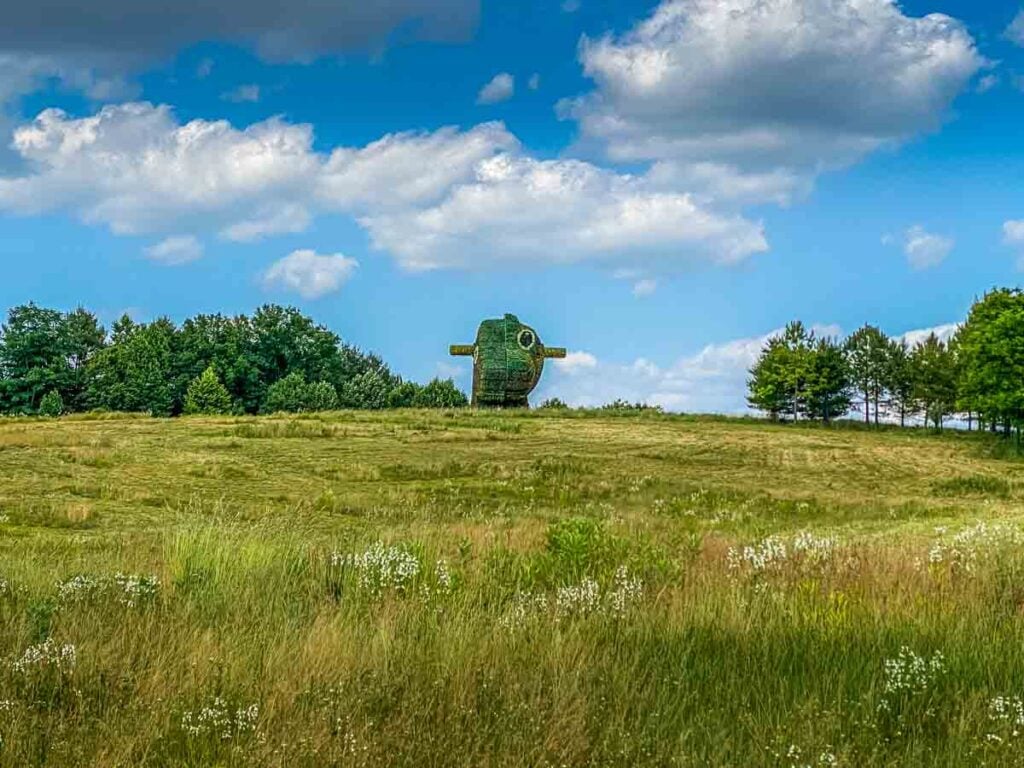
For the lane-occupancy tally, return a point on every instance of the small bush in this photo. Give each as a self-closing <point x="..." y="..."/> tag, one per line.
<point x="578" y="544"/>
<point x="206" y="395"/>
<point x="440" y="393"/>
<point x="367" y="391"/>
<point x="554" y="404"/>
<point x="287" y="395"/>
<point x="404" y="395"/>
<point x="620" y="405"/>
<point x="321" y="396"/>
<point x="52" y="404"/>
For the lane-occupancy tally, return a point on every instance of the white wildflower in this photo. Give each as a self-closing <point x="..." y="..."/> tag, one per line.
<point x="130" y="590"/>
<point x="46" y="655"/>
<point x="220" y="720"/>
<point x="134" y="589"/>
<point x="910" y="675"/>
<point x="578" y="599"/>
<point x="1009" y="710"/>
<point x="626" y="590"/>
<point x="772" y="553"/>
<point x="524" y="607"/>
<point x="78" y="589"/>
<point x="972" y="545"/>
<point x="380" y="568"/>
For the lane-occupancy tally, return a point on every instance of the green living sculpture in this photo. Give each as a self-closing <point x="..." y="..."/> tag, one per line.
<point x="508" y="359"/>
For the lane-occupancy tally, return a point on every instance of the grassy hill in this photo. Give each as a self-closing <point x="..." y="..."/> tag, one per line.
<point x="528" y="589"/>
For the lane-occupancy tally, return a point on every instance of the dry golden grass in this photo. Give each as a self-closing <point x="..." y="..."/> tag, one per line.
<point x="576" y="592"/>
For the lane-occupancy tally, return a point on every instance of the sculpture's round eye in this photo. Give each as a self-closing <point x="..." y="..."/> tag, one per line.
<point x="527" y="339"/>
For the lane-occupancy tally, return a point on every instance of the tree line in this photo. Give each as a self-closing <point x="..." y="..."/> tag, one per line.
<point x="978" y="374"/>
<point x="278" y="359"/>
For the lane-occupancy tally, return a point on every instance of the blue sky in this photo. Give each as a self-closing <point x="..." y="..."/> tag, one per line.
<point x="656" y="186"/>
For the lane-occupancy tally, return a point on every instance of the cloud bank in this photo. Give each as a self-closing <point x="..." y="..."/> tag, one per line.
<point x="448" y="198"/>
<point x="764" y="94"/>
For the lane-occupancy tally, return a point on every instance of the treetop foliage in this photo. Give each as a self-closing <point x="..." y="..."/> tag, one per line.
<point x="978" y="374"/>
<point x="275" y="359"/>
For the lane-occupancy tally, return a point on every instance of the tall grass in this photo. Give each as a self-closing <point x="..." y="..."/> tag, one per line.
<point x="624" y="611"/>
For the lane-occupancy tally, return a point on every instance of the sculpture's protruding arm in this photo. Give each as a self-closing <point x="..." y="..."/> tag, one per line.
<point x="556" y="352"/>
<point x="462" y="350"/>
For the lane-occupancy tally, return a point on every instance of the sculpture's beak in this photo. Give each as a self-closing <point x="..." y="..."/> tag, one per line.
<point x="554" y="352"/>
<point x="462" y="350"/>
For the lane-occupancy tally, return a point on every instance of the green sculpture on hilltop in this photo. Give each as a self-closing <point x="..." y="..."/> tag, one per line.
<point x="508" y="359"/>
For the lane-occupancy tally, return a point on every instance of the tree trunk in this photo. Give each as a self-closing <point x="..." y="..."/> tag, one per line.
<point x="867" y="407"/>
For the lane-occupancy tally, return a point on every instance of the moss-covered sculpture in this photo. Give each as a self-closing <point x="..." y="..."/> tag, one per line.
<point x="508" y="359"/>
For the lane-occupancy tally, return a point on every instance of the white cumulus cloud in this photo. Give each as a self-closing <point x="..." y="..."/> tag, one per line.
<point x="448" y="198"/>
<point x="924" y="249"/>
<point x="309" y="274"/>
<point x="500" y="88"/>
<point x="133" y="168"/>
<point x="774" y="88"/>
<point x="519" y="210"/>
<point x="173" y="251"/>
<point x="405" y="170"/>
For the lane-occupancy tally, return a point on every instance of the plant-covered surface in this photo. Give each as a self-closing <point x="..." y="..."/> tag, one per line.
<point x="524" y="589"/>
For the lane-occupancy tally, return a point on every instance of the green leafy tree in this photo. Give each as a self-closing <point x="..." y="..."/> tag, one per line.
<point x="990" y="352"/>
<point x="51" y="404"/>
<point x="288" y="395"/>
<point x="441" y="393"/>
<point x="367" y="390"/>
<point x="43" y="350"/>
<point x="767" y="388"/>
<point x="779" y="380"/>
<point x="899" y="379"/>
<point x="83" y="337"/>
<point x="935" y="385"/>
<point x="403" y="395"/>
<point x="321" y="396"/>
<point x="206" y="394"/>
<point x="134" y="373"/>
<point x="829" y="387"/>
<point x="30" y="347"/>
<point x="867" y="351"/>
<point x="226" y="343"/>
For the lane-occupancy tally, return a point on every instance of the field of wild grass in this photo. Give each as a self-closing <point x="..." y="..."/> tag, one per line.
<point x="521" y="589"/>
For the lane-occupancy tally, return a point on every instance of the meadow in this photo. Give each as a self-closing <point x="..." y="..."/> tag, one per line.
<point x="467" y="588"/>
